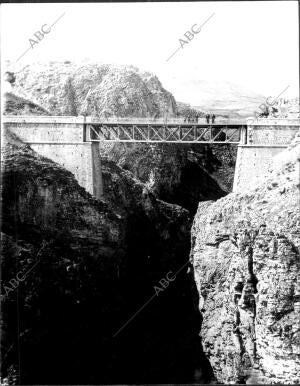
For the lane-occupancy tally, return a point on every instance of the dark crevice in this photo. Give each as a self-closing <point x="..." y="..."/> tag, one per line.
<point x="163" y="337"/>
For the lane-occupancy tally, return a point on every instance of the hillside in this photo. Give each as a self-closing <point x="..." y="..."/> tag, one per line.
<point x="96" y="89"/>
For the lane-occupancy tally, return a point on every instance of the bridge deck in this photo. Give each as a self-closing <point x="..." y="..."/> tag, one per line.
<point x="71" y="129"/>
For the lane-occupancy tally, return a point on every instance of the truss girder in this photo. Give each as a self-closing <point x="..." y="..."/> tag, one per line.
<point x="163" y="133"/>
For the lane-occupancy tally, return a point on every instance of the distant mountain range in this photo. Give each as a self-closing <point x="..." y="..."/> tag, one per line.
<point x="219" y="97"/>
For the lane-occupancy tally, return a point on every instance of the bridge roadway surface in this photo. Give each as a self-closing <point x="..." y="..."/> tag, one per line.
<point x="172" y="130"/>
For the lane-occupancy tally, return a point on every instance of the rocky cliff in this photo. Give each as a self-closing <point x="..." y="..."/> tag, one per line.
<point x="76" y="270"/>
<point x="245" y="251"/>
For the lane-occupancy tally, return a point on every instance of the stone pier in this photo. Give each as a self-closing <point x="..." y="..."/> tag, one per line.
<point x="62" y="139"/>
<point x="265" y="138"/>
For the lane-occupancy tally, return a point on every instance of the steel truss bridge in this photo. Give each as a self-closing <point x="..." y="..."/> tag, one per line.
<point x="174" y="131"/>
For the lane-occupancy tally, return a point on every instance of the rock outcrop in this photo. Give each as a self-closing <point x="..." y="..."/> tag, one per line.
<point x="245" y="251"/>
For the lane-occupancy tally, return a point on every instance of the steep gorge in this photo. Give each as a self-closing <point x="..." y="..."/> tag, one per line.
<point x="87" y="268"/>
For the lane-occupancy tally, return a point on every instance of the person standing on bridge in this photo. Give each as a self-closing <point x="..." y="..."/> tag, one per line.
<point x="207" y="116"/>
<point x="213" y="118"/>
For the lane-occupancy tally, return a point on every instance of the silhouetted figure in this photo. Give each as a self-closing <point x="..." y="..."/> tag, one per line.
<point x="207" y="116"/>
<point x="213" y="118"/>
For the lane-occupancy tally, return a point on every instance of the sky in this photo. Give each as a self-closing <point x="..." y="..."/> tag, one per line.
<point x="253" y="44"/>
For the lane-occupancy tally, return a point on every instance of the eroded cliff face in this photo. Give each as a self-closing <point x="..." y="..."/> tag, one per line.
<point x="245" y="251"/>
<point x="84" y="268"/>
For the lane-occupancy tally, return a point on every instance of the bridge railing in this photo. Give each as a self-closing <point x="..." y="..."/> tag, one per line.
<point x="161" y="121"/>
<point x="46" y="119"/>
